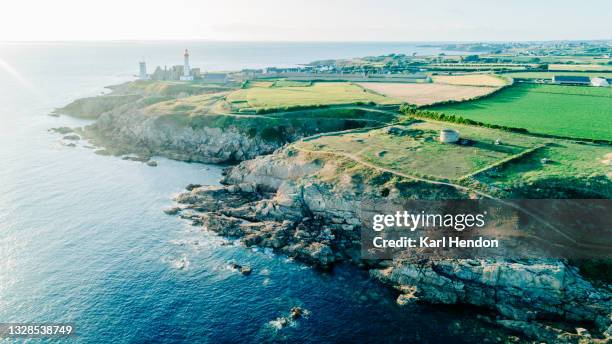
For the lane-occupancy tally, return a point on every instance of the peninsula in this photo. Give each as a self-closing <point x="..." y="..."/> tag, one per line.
<point x="311" y="146"/>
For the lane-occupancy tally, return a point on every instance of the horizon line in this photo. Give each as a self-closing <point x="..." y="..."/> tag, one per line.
<point x="607" y="40"/>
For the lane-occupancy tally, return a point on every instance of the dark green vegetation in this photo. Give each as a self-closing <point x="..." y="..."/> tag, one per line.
<point x="570" y="111"/>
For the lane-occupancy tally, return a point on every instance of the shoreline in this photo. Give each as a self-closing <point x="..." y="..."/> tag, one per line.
<point x="300" y="205"/>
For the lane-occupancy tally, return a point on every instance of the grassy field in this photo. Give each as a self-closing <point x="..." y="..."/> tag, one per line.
<point x="515" y="165"/>
<point x="167" y="88"/>
<point x="199" y="104"/>
<point x="474" y="67"/>
<point x="292" y="83"/>
<point x="414" y="149"/>
<point x="549" y="75"/>
<point x="579" y="67"/>
<point x="573" y="111"/>
<point x="321" y="93"/>
<point x="426" y="94"/>
<point x="470" y="80"/>
<point x="567" y="159"/>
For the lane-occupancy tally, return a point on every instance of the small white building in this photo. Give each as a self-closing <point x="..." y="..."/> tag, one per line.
<point x="599" y="82"/>
<point x="449" y="136"/>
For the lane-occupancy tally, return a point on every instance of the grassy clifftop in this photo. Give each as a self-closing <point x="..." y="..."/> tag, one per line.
<point x="496" y="162"/>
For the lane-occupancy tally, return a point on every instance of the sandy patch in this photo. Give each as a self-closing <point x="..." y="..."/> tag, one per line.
<point x="426" y="94"/>
<point x="470" y="80"/>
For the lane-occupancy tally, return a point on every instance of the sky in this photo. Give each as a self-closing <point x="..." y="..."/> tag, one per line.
<point x="305" y="20"/>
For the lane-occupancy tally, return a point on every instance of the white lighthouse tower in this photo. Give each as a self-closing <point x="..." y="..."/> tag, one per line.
<point x="186" y="69"/>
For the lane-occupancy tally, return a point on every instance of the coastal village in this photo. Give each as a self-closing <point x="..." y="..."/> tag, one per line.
<point x="393" y="68"/>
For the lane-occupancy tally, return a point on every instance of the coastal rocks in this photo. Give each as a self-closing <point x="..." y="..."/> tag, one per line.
<point x="294" y="315"/>
<point x="138" y="158"/>
<point x="102" y="152"/>
<point x="303" y="207"/>
<point x="172" y="210"/>
<point x="550" y="334"/>
<point x="135" y="158"/>
<point x="240" y="211"/>
<point x="62" y="130"/>
<point x="190" y="187"/>
<point x="407" y="295"/>
<point x="72" y="137"/>
<point x="243" y="269"/>
<point x="525" y="292"/>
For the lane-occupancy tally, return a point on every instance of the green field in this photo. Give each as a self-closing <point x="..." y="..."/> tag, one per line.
<point x="291" y="83"/>
<point x="513" y="165"/>
<point x="320" y="93"/>
<point x="549" y="75"/>
<point x="573" y="111"/>
<point x="414" y="149"/>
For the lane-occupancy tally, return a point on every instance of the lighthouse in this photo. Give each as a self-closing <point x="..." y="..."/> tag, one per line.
<point x="186" y="70"/>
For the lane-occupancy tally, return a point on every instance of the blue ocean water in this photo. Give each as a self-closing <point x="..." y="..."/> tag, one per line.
<point x="83" y="238"/>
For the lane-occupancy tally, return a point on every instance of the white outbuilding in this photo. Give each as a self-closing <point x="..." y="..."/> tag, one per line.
<point x="599" y="82"/>
<point x="449" y="136"/>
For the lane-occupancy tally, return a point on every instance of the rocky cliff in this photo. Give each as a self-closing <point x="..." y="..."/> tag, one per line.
<point x="309" y="208"/>
<point x="138" y="124"/>
<point x="131" y="130"/>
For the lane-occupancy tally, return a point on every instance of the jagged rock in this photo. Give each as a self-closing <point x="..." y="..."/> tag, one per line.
<point x="172" y="210"/>
<point x="190" y="187"/>
<point x="62" y="130"/>
<point x="245" y="270"/>
<point x="135" y="158"/>
<point x="296" y="313"/>
<point x="152" y="163"/>
<point x="287" y="207"/>
<point x="72" y="137"/>
<point x="129" y="127"/>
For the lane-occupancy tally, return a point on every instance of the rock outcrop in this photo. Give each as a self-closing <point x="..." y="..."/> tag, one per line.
<point x="309" y="208"/>
<point x="129" y="129"/>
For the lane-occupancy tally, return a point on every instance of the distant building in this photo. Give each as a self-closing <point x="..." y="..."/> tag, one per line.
<point x="195" y="73"/>
<point x="186" y="76"/>
<point x="219" y="78"/>
<point x="143" y="71"/>
<point x="159" y="74"/>
<point x="177" y="72"/>
<point x="571" y="80"/>
<point x="599" y="82"/>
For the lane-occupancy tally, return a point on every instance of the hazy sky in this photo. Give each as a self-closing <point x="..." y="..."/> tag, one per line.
<point x="314" y="20"/>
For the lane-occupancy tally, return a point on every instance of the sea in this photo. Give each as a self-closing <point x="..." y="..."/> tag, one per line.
<point x="84" y="239"/>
